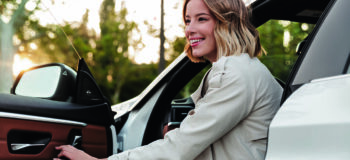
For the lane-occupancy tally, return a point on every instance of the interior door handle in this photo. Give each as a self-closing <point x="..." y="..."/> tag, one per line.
<point x="19" y="146"/>
<point x="77" y="141"/>
<point x="75" y="138"/>
<point x="27" y="142"/>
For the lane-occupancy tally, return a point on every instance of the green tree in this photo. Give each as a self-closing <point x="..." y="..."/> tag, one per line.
<point x="177" y="47"/>
<point x="112" y="49"/>
<point x="271" y="36"/>
<point x="106" y="54"/>
<point x="55" y="45"/>
<point x="139" y="77"/>
<point x="281" y="49"/>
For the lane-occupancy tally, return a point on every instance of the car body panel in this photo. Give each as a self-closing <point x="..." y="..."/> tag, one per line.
<point x="313" y="123"/>
<point x="131" y="136"/>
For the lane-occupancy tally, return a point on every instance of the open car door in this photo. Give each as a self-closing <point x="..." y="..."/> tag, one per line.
<point x="52" y="105"/>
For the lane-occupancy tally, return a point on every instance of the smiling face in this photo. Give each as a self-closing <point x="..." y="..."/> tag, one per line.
<point x="200" y="24"/>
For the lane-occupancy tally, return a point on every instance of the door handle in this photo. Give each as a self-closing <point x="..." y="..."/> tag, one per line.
<point x="77" y="141"/>
<point x="27" y="142"/>
<point x="75" y="138"/>
<point x="19" y="146"/>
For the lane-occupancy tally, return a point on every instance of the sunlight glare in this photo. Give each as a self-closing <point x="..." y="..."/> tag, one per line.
<point x="33" y="46"/>
<point x="286" y="38"/>
<point x="20" y="64"/>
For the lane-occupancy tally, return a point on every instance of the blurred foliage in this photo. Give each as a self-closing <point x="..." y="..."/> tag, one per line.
<point x="192" y="85"/>
<point x="106" y="54"/>
<point x="14" y="20"/>
<point x="139" y="77"/>
<point x="111" y="57"/>
<point x="280" y="40"/>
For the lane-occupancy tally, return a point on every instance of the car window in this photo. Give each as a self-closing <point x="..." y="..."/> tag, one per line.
<point x="281" y="41"/>
<point x="329" y="49"/>
<point x="192" y="85"/>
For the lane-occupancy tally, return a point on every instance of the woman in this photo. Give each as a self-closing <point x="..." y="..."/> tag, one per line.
<point x="236" y="100"/>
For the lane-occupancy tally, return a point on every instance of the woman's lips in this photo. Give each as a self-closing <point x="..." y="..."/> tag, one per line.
<point x="195" y="42"/>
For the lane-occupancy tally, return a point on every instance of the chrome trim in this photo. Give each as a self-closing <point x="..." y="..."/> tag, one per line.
<point x="174" y="123"/>
<point x="114" y="139"/>
<point x="19" y="146"/>
<point x="77" y="140"/>
<point x="331" y="78"/>
<point x="40" y="119"/>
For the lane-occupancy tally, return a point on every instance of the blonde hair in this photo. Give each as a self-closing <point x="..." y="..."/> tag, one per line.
<point x="234" y="34"/>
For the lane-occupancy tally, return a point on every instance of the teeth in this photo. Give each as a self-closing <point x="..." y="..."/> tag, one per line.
<point x="194" y="40"/>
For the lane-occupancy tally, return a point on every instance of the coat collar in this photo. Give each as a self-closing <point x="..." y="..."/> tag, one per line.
<point x="198" y="94"/>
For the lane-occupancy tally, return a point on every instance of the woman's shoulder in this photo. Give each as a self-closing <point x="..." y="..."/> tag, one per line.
<point x="235" y="63"/>
<point x="242" y="66"/>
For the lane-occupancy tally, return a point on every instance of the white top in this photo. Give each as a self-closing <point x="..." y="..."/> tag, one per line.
<point x="230" y="121"/>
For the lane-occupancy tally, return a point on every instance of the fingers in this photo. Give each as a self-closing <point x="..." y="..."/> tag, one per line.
<point x="66" y="151"/>
<point x="62" y="153"/>
<point x="72" y="153"/>
<point x="63" y="147"/>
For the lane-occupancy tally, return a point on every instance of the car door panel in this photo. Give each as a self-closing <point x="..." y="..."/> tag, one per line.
<point x="314" y="121"/>
<point x="20" y="131"/>
<point x="32" y="127"/>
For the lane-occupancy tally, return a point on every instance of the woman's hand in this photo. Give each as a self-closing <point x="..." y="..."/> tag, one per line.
<point x="72" y="153"/>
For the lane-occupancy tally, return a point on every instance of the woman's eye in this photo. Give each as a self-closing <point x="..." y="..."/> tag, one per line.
<point x="187" y="21"/>
<point x="202" y="19"/>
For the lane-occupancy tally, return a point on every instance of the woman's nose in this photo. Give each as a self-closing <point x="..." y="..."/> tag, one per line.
<point x="190" y="28"/>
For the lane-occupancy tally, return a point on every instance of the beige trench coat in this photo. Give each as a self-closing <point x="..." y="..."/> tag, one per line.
<point x="235" y="104"/>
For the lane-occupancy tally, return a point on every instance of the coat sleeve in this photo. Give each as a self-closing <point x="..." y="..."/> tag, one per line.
<point x="227" y="101"/>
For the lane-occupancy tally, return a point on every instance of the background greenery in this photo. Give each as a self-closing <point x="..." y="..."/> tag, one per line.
<point x="107" y="53"/>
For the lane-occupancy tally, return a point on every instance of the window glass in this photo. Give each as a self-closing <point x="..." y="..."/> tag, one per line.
<point x="192" y="85"/>
<point x="329" y="50"/>
<point x="281" y="40"/>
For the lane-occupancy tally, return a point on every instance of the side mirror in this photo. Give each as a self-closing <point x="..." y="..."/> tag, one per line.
<point x="53" y="81"/>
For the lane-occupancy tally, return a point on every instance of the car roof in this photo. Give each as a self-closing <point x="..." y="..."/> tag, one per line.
<point x="307" y="11"/>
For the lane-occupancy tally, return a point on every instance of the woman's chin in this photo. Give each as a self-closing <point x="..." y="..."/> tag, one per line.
<point x="196" y="55"/>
